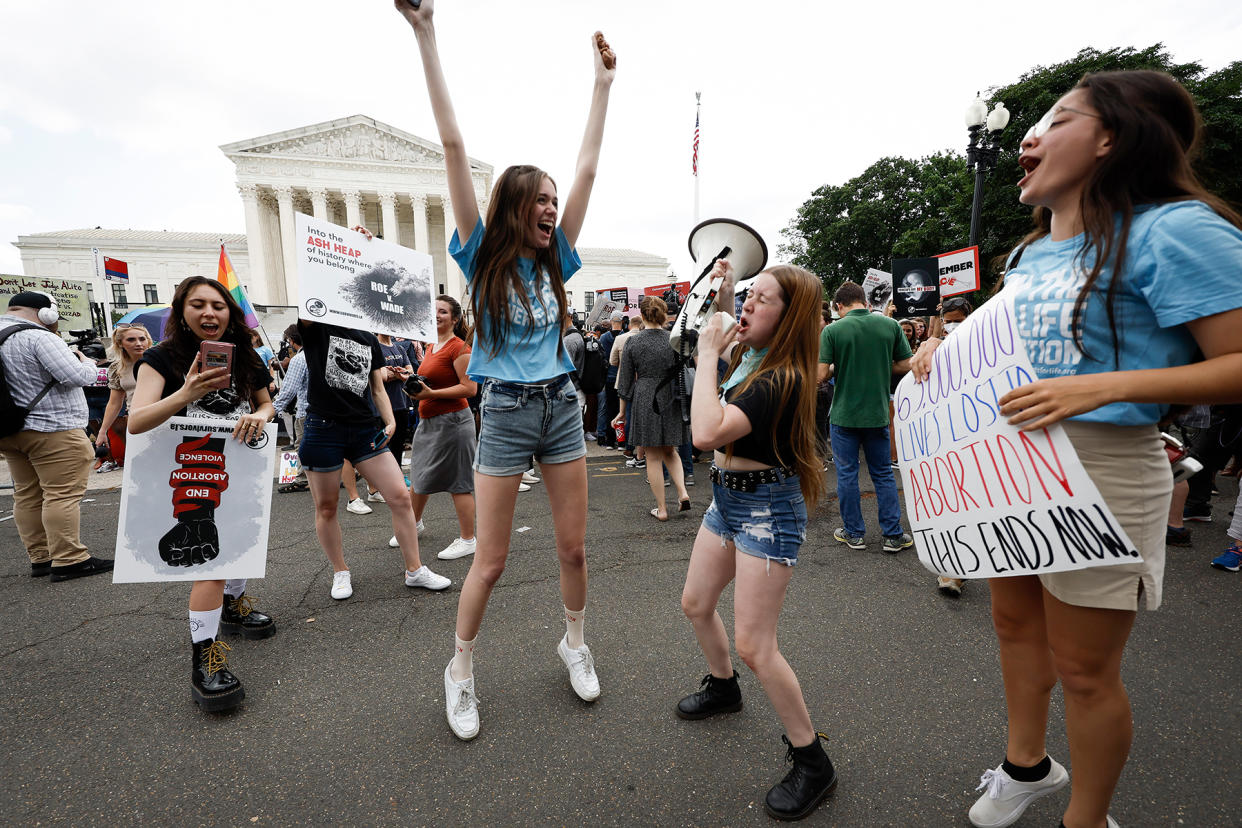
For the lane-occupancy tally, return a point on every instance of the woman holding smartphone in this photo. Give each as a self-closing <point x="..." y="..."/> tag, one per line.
<point x="516" y="264"/>
<point x="172" y="383"/>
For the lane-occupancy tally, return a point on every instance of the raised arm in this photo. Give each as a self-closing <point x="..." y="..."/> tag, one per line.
<point x="460" y="184"/>
<point x="588" y="156"/>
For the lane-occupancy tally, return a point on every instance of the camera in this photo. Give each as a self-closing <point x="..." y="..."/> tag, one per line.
<point x="83" y="336"/>
<point x="415" y="383"/>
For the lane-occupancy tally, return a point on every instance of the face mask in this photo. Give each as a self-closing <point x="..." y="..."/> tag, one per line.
<point x="949" y="326"/>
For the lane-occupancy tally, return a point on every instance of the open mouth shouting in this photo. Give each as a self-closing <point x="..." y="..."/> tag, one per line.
<point x="1027" y="163"/>
<point x="546" y="228"/>
<point x="210" y="327"/>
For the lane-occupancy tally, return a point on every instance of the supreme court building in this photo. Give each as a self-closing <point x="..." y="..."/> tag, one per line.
<point x="348" y="171"/>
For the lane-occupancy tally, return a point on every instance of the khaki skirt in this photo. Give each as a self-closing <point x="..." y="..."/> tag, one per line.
<point x="1130" y="468"/>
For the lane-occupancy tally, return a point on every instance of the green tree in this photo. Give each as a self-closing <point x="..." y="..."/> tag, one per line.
<point x="900" y="208"/>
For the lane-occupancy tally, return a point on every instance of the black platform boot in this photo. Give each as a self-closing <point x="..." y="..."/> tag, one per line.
<point x="806" y="785"/>
<point x="717" y="696"/>
<point x="239" y="617"/>
<point x="214" y="688"/>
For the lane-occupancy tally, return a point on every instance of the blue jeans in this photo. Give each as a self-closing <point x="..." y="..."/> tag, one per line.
<point x="874" y="444"/>
<point x="518" y="421"/>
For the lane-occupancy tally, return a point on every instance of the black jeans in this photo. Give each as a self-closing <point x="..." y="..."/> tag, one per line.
<point x="1213" y="447"/>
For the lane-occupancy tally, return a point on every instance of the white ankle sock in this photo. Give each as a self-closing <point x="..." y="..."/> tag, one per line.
<point x="234" y="587"/>
<point x="573" y="627"/>
<point x="205" y="624"/>
<point x="463" y="659"/>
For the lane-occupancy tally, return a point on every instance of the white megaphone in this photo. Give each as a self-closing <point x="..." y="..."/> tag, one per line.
<point x="711" y="241"/>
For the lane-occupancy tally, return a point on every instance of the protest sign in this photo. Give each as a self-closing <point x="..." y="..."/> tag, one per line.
<point x="959" y="271"/>
<point x="195" y="503"/>
<point x="601" y="311"/>
<point x="673" y="293"/>
<point x="878" y="288"/>
<point x="984" y="499"/>
<point x="70" y="294"/>
<point x="290" y="467"/>
<point x="344" y="279"/>
<point x="916" y="286"/>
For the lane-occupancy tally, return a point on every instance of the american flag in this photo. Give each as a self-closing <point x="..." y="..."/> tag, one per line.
<point x="694" y="159"/>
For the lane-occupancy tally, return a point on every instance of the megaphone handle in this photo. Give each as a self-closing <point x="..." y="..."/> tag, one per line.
<point x="723" y="254"/>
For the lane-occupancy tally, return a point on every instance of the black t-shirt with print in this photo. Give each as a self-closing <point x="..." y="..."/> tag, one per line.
<point x="224" y="403"/>
<point x="770" y="425"/>
<point x="339" y="362"/>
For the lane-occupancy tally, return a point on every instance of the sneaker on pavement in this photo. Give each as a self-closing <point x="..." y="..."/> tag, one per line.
<point x="375" y="497"/>
<point x="529" y="477"/>
<point x="1201" y="513"/>
<point x="951" y="587"/>
<point x="459" y="548"/>
<point x="393" y="540"/>
<point x="895" y="543"/>
<point x="635" y="463"/>
<point x="106" y="466"/>
<point x="1231" y="559"/>
<point x="581" y="669"/>
<point x="81" y="569"/>
<point x="522" y="487"/>
<point x="461" y="706"/>
<point x="689" y="479"/>
<point x="1177" y="536"/>
<point x="341" y="587"/>
<point x="358" y="507"/>
<point x="426" y="579"/>
<point x="852" y="541"/>
<point x="1005" y="799"/>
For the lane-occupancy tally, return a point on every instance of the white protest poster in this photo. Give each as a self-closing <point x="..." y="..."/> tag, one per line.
<point x="195" y="503"/>
<point x="290" y="467"/>
<point x="985" y="499"/>
<point x="601" y="311"/>
<point x="344" y="279"/>
<point x="959" y="271"/>
<point x="878" y="288"/>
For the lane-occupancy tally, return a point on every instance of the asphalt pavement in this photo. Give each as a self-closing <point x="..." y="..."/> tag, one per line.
<point x="344" y="716"/>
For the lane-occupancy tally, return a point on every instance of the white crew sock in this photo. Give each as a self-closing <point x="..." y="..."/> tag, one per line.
<point x="463" y="659"/>
<point x="204" y="624"/>
<point x="573" y="627"/>
<point x="234" y="587"/>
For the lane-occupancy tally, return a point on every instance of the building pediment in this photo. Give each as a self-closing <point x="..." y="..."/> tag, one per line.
<point x="357" y="138"/>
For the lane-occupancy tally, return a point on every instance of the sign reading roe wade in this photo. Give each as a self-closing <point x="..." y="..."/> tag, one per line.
<point x="985" y="499"/>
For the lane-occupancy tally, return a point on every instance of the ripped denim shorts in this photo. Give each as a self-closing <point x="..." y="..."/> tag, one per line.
<point x="768" y="523"/>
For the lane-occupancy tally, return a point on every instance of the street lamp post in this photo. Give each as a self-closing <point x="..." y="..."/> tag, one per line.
<point x="982" y="151"/>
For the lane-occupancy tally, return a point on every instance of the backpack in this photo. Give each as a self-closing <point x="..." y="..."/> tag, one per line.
<point x="594" y="367"/>
<point x="12" y="415"/>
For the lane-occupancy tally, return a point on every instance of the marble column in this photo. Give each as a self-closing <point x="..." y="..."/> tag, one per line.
<point x="422" y="234"/>
<point x="288" y="246"/>
<point x="261" y="282"/>
<point x="388" y="216"/>
<point x="353" y="211"/>
<point x="319" y="203"/>
<point x="455" y="281"/>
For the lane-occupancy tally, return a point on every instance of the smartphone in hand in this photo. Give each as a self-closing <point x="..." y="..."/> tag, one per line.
<point x="217" y="355"/>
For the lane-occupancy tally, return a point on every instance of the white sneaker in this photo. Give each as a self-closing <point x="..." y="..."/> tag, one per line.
<point x="1005" y="799"/>
<point x="522" y="487"/>
<point x="358" y="507"/>
<point x="461" y="706"/>
<point x="426" y="579"/>
<point x="581" y="669"/>
<point x="341" y="587"/>
<point x="459" y="548"/>
<point x="529" y="477"/>
<point x="375" y="497"/>
<point x="393" y="540"/>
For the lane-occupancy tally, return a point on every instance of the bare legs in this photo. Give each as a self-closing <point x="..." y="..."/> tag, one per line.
<point x="206" y="596"/>
<point x="658" y="458"/>
<point x="463" y="504"/>
<point x="347" y="477"/>
<point x="382" y="470"/>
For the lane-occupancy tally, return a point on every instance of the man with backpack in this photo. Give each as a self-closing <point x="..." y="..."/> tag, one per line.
<point x="42" y="420"/>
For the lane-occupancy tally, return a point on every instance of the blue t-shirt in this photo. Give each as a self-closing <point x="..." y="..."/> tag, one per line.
<point x="530" y="352"/>
<point x="1183" y="262"/>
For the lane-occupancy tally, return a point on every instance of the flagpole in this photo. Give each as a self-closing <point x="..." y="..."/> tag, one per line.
<point x="697" y="105"/>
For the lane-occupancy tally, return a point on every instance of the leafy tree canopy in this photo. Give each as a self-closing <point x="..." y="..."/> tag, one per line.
<point x="902" y="208"/>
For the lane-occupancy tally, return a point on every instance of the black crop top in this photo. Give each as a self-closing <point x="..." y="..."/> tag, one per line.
<point x="770" y="429"/>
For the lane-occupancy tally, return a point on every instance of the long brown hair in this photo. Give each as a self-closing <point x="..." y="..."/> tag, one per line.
<point x="459" y="325"/>
<point x="789" y="366"/>
<point x="181" y="343"/>
<point x="496" y="273"/>
<point x="1156" y="130"/>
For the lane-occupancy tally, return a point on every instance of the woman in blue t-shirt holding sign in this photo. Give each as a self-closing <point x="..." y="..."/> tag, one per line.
<point x="1132" y="270"/>
<point x="516" y="265"/>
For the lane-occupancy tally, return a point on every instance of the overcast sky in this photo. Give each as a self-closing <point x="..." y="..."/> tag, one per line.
<point x="111" y="114"/>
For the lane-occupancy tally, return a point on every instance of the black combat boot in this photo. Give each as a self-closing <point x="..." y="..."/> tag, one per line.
<point x="717" y="696"/>
<point x="239" y="617"/>
<point x="214" y="688"/>
<point x="810" y="780"/>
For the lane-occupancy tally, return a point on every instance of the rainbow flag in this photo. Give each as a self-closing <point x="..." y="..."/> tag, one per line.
<point x="228" y="277"/>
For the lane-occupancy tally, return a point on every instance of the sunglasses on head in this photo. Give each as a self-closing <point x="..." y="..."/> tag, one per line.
<point x="954" y="304"/>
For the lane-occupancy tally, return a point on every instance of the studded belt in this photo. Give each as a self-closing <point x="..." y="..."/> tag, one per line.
<point x="749" y="481"/>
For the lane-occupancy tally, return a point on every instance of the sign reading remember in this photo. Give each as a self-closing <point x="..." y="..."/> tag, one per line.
<point x="344" y="279"/>
<point x="985" y="499"/>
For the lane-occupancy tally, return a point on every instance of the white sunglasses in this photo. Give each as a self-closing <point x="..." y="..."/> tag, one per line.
<point x="1044" y="124"/>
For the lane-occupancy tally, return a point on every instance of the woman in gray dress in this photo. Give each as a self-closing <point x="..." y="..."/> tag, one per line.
<point x="647" y="383"/>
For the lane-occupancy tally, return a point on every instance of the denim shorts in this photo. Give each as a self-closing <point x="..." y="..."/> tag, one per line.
<point x="518" y="421"/>
<point x="326" y="444"/>
<point x="768" y="523"/>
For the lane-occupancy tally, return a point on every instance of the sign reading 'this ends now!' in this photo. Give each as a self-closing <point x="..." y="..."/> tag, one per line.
<point x="985" y="499"/>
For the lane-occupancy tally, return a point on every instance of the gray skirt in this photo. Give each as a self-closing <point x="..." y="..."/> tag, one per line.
<point x="442" y="454"/>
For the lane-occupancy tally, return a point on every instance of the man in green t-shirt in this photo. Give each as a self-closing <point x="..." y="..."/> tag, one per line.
<point x="862" y="352"/>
